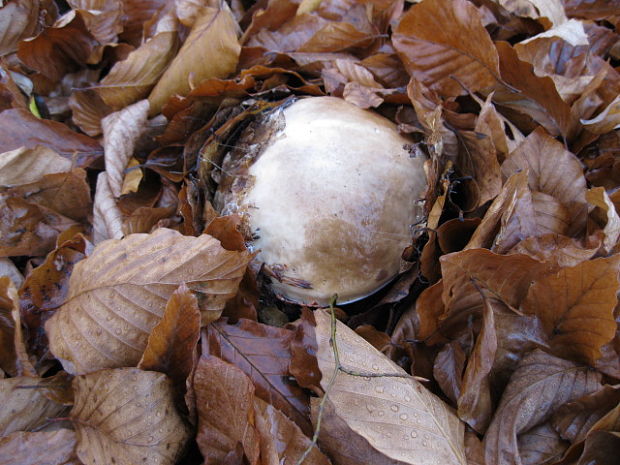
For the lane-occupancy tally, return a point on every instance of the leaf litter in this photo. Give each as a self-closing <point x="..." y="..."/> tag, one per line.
<point x="498" y="344"/>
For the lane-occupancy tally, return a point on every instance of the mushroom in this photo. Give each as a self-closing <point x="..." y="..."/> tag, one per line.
<point x="329" y="193"/>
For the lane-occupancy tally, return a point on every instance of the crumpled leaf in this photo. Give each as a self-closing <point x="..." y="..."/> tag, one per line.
<point x="121" y="130"/>
<point x="107" y="217"/>
<point x="29" y="408"/>
<point x="225" y="402"/>
<point x="87" y="111"/>
<point x="23" y="166"/>
<point x="45" y="447"/>
<point x="385" y="418"/>
<point x="8" y="357"/>
<point x="550" y="10"/>
<point x="118" y="294"/>
<point x="559" y="251"/>
<point x="18" y="20"/>
<point x="606" y="216"/>
<point x="63" y="48"/>
<point x="576" y="307"/>
<point x="171" y="346"/>
<point x="441" y="39"/>
<point x="102" y="18"/>
<point x="541" y="444"/>
<point x="211" y="50"/>
<point x="281" y="440"/>
<point x="8" y="269"/>
<point x="605" y="121"/>
<point x="147" y="429"/>
<point x="543" y="383"/>
<point x="133" y="78"/>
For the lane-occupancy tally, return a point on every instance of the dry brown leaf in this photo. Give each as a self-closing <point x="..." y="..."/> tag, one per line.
<point x="606" y="216"/>
<point x="225" y="402"/>
<point x="211" y="50"/>
<point x="281" y="440"/>
<point x="87" y="110"/>
<point x="263" y="353"/>
<point x="41" y="448"/>
<point x="8" y="357"/>
<point x="541" y="444"/>
<point x="118" y="294"/>
<point x="133" y="78"/>
<point x="28" y="408"/>
<point x="107" y="217"/>
<point x="559" y="251"/>
<point x="147" y="429"/>
<point x="121" y="130"/>
<point x="551" y="10"/>
<point x="171" y="346"/>
<point x="606" y="121"/>
<point x="444" y="44"/>
<point x="23" y="166"/>
<point x="8" y="268"/>
<point x="391" y="418"/>
<point x="601" y="448"/>
<point x="554" y="171"/>
<point x="18" y="20"/>
<point x="576" y="307"/>
<point x="530" y="94"/>
<point x="540" y="385"/>
<point x="63" y="48"/>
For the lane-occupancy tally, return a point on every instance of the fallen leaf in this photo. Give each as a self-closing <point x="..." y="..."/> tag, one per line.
<point x="551" y="10"/>
<point x="102" y="18"/>
<point x="444" y="44"/>
<point x="605" y="121"/>
<point x="48" y="447"/>
<point x="23" y="166"/>
<point x="303" y="364"/>
<point x="137" y="13"/>
<point x="28" y="408"/>
<point x="556" y="250"/>
<point x="171" y="346"/>
<point x="281" y="440"/>
<point x="448" y="369"/>
<point x="225" y="402"/>
<point x="147" y="429"/>
<point x="87" y="111"/>
<point x="18" y="20"/>
<point x="606" y="216"/>
<point x="8" y="357"/>
<point x="592" y="9"/>
<point x="263" y="353"/>
<point x="121" y="130"/>
<point x="576" y="307"/>
<point x="133" y="78"/>
<point x="543" y="383"/>
<point x="601" y="447"/>
<point x="107" y="217"/>
<point x="118" y="294"/>
<point x="212" y="44"/>
<point x="541" y="444"/>
<point x="8" y="268"/>
<point x="388" y="416"/>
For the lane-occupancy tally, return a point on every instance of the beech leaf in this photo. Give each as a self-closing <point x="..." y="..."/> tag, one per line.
<point x="576" y="307"/>
<point x="210" y="51"/>
<point x="49" y="448"/>
<point x="118" y="294"/>
<point x="444" y="44"/>
<point x="23" y="166"/>
<point x="147" y="429"/>
<point x="393" y="416"/>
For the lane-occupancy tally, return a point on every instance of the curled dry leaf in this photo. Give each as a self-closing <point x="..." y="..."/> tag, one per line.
<point x="576" y="307"/>
<point x="18" y="20"/>
<point x="550" y="10"/>
<point x="48" y="447"/>
<point x="281" y="440"/>
<point x="23" y="165"/>
<point x="87" y="111"/>
<point x="171" y="346"/>
<point x="225" y="402"/>
<point x="606" y="216"/>
<point x="607" y="120"/>
<point x="559" y="251"/>
<point x="121" y="130"/>
<point x="263" y="353"/>
<point x="8" y="357"/>
<point x="541" y="444"/>
<point x="8" y="268"/>
<point x="210" y="51"/>
<point x="540" y="385"/>
<point x="387" y="416"/>
<point x="118" y="294"/>
<point x="147" y="429"/>
<point x="133" y="78"/>
<point x="107" y="217"/>
<point x="444" y="44"/>
<point x="29" y="408"/>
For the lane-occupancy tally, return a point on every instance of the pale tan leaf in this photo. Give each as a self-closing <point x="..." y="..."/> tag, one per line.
<point x="554" y="171"/>
<point x="552" y="10"/>
<point x="41" y="448"/>
<point x="605" y="121"/>
<point x="26" y="165"/>
<point x="107" y="217"/>
<point x="8" y="268"/>
<point x="24" y="405"/>
<point x="540" y="385"/>
<point x="210" y="51"/>
<point x="393" y="417"/>
<point x="605" y="214"/>
<point x="576" y="307"/>
<point x="559" y="251"/>
<point x="224" y="399"/>
<point x="127" y="416"/>
<point x="133" y="78"/>
<point x="118" y="294"/>
<point x="571" y="31"/>
<point x="444" y="44"/>
<point x="171" y="346"/>
<point x="121" y="130"/>
<point x="281" y="440"/>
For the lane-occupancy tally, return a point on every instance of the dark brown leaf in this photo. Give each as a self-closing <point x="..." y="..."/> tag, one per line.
<point x="18" y="20"/>
<point x="541" y="444"/>
<point x="8" y="358"/>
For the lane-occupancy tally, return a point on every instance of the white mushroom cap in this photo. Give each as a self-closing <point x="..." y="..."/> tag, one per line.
<point x="331" y="199"/>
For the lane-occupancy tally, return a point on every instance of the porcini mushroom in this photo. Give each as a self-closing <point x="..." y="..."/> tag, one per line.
<point x="329" y="193"/>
